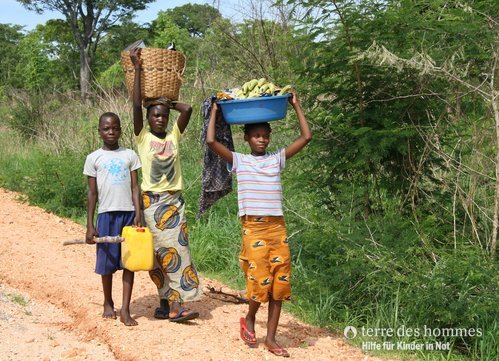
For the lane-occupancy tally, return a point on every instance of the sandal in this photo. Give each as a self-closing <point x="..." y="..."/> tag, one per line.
<point x="161" y="313"/>
<point x="189" y="316"/>
<point x="243" y="331"/>
<point x="279" y="351"/>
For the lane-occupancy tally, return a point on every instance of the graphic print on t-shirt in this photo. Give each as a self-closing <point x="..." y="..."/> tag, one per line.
<point x="162" y="167"/>
<point x="117" y="169"/>
<point x="163" y="162"/>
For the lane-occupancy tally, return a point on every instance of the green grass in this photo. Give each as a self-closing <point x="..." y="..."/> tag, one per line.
<point x="18" y="299"/>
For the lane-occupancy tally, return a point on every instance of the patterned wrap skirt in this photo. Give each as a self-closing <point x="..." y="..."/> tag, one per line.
<point x="174" y="273"/>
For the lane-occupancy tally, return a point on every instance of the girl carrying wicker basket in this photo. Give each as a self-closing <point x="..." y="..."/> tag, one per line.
<point x="164" y="207"/>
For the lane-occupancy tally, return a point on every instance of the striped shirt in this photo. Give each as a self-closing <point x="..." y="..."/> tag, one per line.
<point x="259" y="191"/>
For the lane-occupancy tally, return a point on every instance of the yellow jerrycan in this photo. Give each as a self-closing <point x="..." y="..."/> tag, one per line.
<point x="137" y="250"/>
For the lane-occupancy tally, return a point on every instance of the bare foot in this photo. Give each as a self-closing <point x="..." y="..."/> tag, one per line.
<point x="109" y="311"/>
<point x="127" y="319"/>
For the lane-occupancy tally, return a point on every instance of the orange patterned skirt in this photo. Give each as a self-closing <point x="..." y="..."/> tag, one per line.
<point x="265" y="258"/>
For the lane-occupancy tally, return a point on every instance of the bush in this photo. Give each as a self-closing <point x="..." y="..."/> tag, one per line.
<point x="112" y="77"/>
<point x="52" y="182"/>
<point x="57" y="184"/>
<point x="381" y="273"/>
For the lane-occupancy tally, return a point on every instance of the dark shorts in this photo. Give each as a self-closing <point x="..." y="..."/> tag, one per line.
<point x="108" y="258"/>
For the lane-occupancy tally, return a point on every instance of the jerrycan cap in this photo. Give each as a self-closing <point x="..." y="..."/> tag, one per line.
<point x="141" y="230"/>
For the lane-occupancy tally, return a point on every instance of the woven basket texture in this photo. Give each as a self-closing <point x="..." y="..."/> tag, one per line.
<point x="161" y="72"/>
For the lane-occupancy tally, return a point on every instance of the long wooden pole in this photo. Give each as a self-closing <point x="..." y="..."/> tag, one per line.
<point x="106" y="239"/>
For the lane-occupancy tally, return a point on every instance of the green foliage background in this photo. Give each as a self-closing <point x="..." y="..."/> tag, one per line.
<point x="388" y="209"/>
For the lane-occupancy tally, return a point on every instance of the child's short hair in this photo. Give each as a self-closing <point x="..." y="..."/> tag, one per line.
<point x="249" y="127"/>
<point x="107" y="115"/>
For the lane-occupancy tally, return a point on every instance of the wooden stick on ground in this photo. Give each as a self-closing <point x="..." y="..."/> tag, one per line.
<point x="105" y="239"/>
<point x="226" y="296"/>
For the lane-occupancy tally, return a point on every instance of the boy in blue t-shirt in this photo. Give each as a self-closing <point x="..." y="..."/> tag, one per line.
<point x="265" y="256"/>
<point x="112" y="179"/>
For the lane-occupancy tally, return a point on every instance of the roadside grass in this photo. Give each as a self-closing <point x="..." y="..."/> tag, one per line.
<point x="20" y="301"/>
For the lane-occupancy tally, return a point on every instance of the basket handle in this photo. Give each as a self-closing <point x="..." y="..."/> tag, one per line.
<point x="183" y="69"/>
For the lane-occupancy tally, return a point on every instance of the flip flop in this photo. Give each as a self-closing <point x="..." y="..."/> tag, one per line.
<point x="161" y="313"/>
<point x="189" y="316"/>
<point x="243" y="331"/>
<point x="279" y="351"/>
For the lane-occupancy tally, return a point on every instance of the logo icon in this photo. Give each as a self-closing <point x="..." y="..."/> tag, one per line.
<point x="350" y="332"/>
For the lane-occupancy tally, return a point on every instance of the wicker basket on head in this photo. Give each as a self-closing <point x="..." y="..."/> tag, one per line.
<point x="161" y="72"/>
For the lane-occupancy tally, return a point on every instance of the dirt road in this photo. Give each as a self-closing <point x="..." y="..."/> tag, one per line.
<point x="50" y="306"/>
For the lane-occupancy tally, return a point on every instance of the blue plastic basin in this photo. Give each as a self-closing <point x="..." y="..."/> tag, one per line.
<point x="254" y="110"/>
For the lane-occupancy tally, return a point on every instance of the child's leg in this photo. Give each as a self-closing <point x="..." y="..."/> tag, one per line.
<point x="254" y="263"/>
<point x="125" y="317"/>
<point x="107" y="286"/>
<point x="251" y="317"/>
<point x="270" y="341"/>
<point x="107" y="260"/>
<point x="280" y="268"/>
<point x="273" y="321"/>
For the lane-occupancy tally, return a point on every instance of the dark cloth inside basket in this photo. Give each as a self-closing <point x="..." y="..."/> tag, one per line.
<point x="216" y="179"/>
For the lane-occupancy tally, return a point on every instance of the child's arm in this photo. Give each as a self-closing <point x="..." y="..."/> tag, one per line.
<point x="138" y="120"/>
<point x="137" y="221"/>
<point x="185" y="111"/>
<point x="91" y="204"/>
<point x="211" y="140"/>
<point x="305" y="133"/>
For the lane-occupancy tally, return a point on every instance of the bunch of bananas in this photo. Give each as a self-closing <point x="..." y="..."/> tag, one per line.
<point x="260" y="88"/>
<point x="253" y="89"/>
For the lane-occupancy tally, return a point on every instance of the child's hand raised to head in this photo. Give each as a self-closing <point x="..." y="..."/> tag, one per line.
<point x="293" y="99"/>
<point x="135" y="56"/>
<point x="305" y="133"/>
<point x="215" y="107"/>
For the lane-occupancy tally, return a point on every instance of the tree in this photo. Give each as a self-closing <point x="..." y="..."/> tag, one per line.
<point x="89" y="19"/>
<point x="401" y="134"/>
<point x="10" y="36"/>
<point x="366" y="142"/>
<point x="263" y="46"/>
<point x="164" y="31"/>
<point x="57" y="38"/>
<point x="474" y="68"/>
<point x="34" y="67"/>
<point x="195" y="18"/>
<point x="117" y="38"/>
